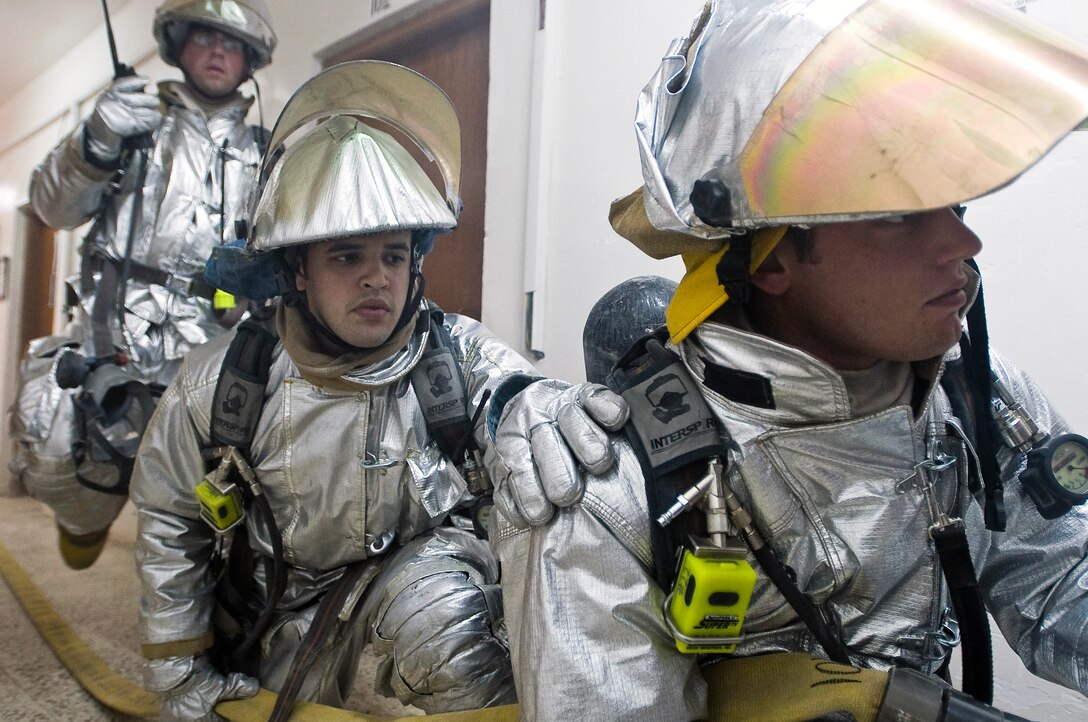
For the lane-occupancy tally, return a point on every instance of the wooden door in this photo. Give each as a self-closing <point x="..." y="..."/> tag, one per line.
<point x="449" y="44"/>
<point x="36" y="318"/>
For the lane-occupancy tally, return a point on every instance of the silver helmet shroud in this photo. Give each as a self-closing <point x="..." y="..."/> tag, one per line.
<point x="345" y="177"/>
<point x="816" y="111"/>
<point x="247" y="20"/>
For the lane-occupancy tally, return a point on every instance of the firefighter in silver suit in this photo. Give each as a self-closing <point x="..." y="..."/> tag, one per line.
<point x="200" y="176"/>
<point x="362" y="500"/>
<point x="806" y="158"/>
<point x="163" y="174"/>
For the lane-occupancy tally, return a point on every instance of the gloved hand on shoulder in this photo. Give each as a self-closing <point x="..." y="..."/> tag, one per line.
<point x="546" y="436"/>
<point x="122" y="111"/>
<point x="190" y="687"/>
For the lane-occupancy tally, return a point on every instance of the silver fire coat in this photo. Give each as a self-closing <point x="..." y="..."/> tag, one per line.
<point x="841" y="501"/>
<point x="349" y="476"/>
<point x="201" y="176"/>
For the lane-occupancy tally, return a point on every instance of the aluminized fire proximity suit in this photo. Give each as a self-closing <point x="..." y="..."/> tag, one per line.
<point x="346" y="449"/>
<point x="777" y="117"/>
<point x="840" y="502"/>
<point x="199" y="164"/>
<point x="158" y="211"/>
<point x="350" y="475"/>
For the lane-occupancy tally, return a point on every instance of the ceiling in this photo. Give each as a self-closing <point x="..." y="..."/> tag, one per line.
<point x="33" y="33"/>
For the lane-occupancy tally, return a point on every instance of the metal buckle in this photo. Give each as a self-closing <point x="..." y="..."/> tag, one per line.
<point x="925" y="473"/>
<point x="934" y="646"/>
<point x="372" y="462"/>
<point x="177" y="284"/>
<point x="381" y="543"/>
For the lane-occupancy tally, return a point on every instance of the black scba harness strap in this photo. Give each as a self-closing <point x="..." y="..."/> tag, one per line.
<point x="975" y="348"/>
<point x="959" y="574"/>
<point x="189" y="286"/>
<point x="236" y="408"/>
<point x="950" y="540"/>
<point x="440" y="388"/>
<point x="967" y="383"/>
<point x="439" y="385"/>
<point x="240" y="389"/>
<point x="109" y="293"/>
<point x="674" y="435"/>
<point x="238" y="402"/>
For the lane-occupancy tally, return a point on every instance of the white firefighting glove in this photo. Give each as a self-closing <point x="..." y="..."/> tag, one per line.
<point x="123" y="110"/>
<point x="547" y="434"/>
<point x="189" y="687"/>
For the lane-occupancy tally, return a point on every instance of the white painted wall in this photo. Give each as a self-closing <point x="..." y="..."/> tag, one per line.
<point x="1033" y="264"/>
<point x="597" y="57"/>
<point x="561" y="148"/>
<point x="1035" y="254"/>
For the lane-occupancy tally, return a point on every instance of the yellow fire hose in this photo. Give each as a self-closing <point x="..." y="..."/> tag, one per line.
<point x="106" y="686"/>
<point x="790" y="686"/>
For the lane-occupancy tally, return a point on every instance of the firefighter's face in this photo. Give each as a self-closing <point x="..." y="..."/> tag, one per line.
<point x="213" y="61"/>
<point x="888" y="289"/>
<point x="358" y="286"/>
